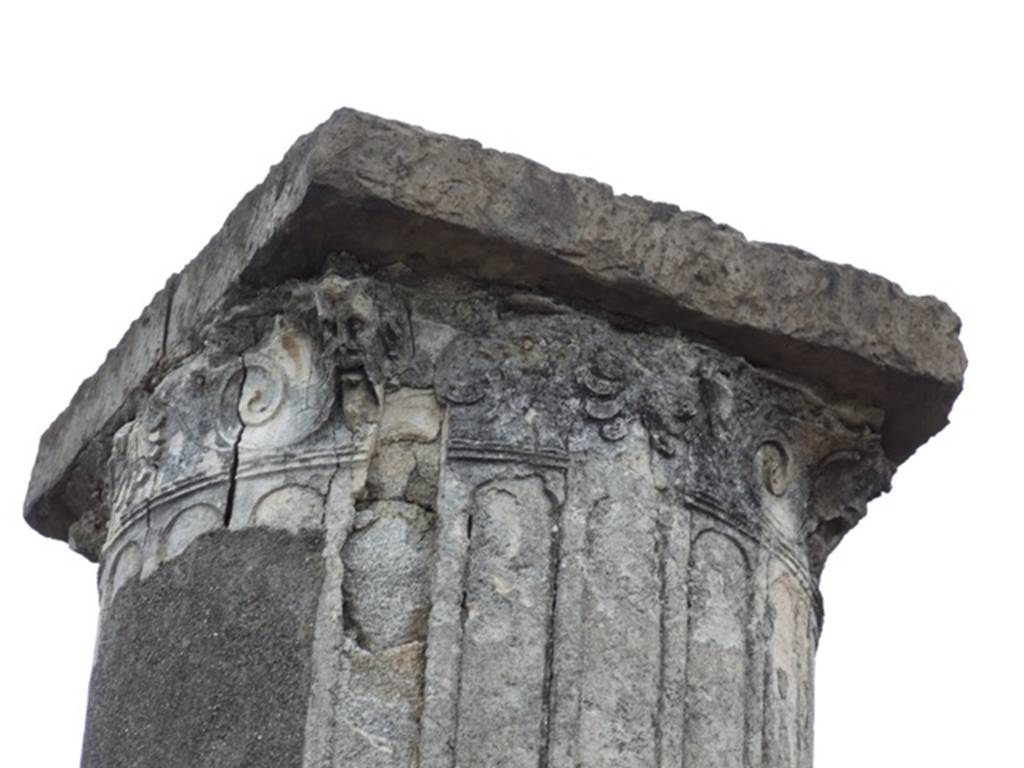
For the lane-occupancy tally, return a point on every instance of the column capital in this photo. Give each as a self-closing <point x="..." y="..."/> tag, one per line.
<point x="389" y="193"/>
<point x="435" y="457"/>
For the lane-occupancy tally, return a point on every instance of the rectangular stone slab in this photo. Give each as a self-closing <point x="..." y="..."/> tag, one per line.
<point x="389" y="192"/>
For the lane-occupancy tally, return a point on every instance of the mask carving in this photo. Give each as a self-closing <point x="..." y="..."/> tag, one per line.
<point x="366" y="334"/>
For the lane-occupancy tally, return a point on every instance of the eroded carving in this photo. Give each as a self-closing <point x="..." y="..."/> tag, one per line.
<point x="135" y="457"/>
<point x="292" y="508"/>
<point x="772" y="463"/>
<point x="842" y="484"/>
<point x="717" y="683"/>
<point x="790" y="647"/>
<point x="276" y="395"/>
<point x="442" y="479"/>
<point x="366" y="332"/>
<point x="126" y="565"/>
<point x="617" y="387"/>
<point x="604" y="385"/>
<point x="186" y="526"/>
<point x="512" y="392"/>
<point x="507" y="604"/>
<point x="177" y="443"/>
<point x="467" y="371"/>
<point x="387" y="575"/>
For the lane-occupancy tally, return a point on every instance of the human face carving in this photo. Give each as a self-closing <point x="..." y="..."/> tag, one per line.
<point x="350" y="324"/>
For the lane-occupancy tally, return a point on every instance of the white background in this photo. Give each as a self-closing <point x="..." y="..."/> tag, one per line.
<point x="885" y="135"/>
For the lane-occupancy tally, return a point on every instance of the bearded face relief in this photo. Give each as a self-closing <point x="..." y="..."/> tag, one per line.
<point x="348" y="323"/>
<point x="364" y="331"/>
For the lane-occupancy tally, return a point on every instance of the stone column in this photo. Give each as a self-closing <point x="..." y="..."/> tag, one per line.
<point x="436" y="458"/>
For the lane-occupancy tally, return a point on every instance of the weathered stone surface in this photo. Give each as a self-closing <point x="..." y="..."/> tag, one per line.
<point x="392" y="194"/>
<point x="465" y="505"/>
<point x="208" y="661"/>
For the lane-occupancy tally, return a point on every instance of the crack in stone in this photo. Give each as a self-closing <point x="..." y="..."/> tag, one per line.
<point x="229" y="505"/>
<point x="172" y="290"/>
<point x="661" y="551"/>
<point x="549" y="647"/>
<point x="463" y="617"/>
<point x="330" y="487"/>
<point x="587" y="603"/>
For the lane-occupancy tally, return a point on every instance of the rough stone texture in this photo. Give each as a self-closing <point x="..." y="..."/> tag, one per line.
<point x="469" y="504"/>
<point x="390" y="193"/>
<point x="208" y="661"/>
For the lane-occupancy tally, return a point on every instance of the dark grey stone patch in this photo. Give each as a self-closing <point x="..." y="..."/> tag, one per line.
<point x="207" y="662"/>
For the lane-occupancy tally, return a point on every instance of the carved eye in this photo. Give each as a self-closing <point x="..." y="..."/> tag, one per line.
<point x="329" y="326"/>
<point x="356" y="325"/>
<point x="391" y="338"/>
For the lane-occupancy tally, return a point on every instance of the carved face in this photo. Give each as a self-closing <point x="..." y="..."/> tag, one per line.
<point x="349" y="322"/>
<point x="355" y="329"/>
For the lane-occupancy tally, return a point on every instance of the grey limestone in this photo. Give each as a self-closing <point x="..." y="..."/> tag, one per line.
<point x="436" y="458"/>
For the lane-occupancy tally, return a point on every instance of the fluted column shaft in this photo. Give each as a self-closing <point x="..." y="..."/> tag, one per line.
<point x="377" y="525"/>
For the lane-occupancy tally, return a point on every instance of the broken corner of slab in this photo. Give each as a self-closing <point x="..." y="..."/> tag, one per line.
<point x="412" y="207"/>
